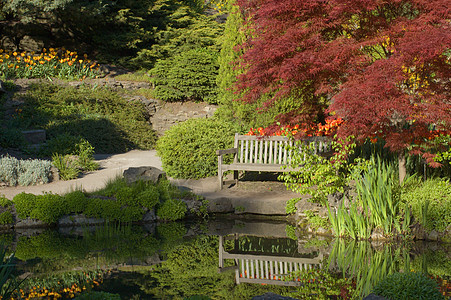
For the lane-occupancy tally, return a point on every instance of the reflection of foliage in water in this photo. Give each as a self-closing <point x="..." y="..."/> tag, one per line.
<point x="191" y="269"/>
<point x="107" y="245"/>
<point x="367" y="265"/>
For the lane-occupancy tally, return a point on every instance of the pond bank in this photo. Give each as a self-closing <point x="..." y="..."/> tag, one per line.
<point x="252" y="197"/>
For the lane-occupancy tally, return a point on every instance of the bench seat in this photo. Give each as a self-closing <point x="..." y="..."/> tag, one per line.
<point x="262" y="154"/>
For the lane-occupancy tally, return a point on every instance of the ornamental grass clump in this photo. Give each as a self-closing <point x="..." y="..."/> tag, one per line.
<point x="54" y="62"/>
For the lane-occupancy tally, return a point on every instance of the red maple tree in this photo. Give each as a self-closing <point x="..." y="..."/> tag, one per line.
<point x="384" y="65"/>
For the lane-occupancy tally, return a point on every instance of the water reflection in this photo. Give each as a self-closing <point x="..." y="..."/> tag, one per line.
<point x="265" y="260"/>
<point x="177" y="260"/>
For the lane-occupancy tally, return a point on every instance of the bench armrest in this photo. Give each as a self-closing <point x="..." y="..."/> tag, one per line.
<point x="227" y="151"/>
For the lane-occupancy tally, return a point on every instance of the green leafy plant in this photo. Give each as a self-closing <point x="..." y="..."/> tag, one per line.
<point x="320" y="176"/>
<point x="67" y="166"/>
<point x="8" y="283"/>
<point x="430" y="202"/>
<point x="76" y="201"/>
<point x="187" y="150"/>
<point x="24" y="203"/>
<point x="172" y="209"/>
<point x="6" y="217"/>
<point x="408" y="285"/>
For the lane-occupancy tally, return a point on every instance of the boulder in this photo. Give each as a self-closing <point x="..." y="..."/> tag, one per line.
<point x="76" y="220"/>
<point x="144" y="173"/>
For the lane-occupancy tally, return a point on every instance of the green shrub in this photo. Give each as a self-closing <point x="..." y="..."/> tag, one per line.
<point x="149" y="198"/>
<point x="24" y="204"/>
<point x="190" y="75"/>
<point x="126" y="196"/>
<point x="76" y="201"/>
<point x="187" y="150"/>
<point x="172" y="209"/>
<point x="49" y="208"/>
<point x="6" y="217"/>
<point x="103" y="208"/>
<point x="5" y="202"/>
<point x="67" y="166"/>
<point x="430" y="202"/>
<point x="112" y="187"/>
<point x="131" y="213"/>
<point x="408" y="286"/>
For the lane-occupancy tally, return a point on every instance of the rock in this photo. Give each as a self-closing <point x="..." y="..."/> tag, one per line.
<point x="55" y="174"/>
<point x="272" y="296"/>
<point x="30" y="223"/>
<point x="377" y="235"/>
<point x="222" y="205"/>
<point x="73" y="220"/>
<point x="432" y="236"/>
<point x="303" y="204"/>
<point x="36" y="136"/>
<point x="149" y="216"/>
<point x="144" y="173"/>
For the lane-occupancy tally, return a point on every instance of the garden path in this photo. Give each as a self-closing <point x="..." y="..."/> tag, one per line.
<point x="255" y="196"/>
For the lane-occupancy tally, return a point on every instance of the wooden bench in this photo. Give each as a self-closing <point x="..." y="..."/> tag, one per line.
<point x="262" y="154"/>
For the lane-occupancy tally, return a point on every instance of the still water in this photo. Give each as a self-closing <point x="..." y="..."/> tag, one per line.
<point x="221" y="259"/>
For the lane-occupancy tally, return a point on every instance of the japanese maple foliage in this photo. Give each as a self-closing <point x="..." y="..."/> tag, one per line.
<point x="384" y="64"/>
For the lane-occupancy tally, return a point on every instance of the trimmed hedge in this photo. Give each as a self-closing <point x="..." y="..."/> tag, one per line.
<point x="188" y="150"/>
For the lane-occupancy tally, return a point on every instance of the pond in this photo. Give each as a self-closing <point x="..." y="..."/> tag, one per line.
<point x="221" y="259"/>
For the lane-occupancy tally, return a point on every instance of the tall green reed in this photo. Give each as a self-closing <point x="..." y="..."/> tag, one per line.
<point x="365" y="264"/>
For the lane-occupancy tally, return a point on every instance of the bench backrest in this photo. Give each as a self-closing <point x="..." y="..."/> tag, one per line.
<point x="271" y="149"/>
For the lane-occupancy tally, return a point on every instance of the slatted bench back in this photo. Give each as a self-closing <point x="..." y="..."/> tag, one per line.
<point x="270" y="150"/>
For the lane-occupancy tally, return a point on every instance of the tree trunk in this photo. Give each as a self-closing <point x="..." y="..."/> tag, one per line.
<point x="402" y="166"/>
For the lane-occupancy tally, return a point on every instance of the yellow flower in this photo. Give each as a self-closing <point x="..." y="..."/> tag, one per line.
<point x="14" y="53"/>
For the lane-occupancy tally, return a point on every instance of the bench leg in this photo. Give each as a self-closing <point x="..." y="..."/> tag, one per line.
<point x="220" y="179"/>
<point x="235" y="177"/>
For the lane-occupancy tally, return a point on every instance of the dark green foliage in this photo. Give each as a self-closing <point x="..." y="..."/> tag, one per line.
<point x="190" y="75"/>
<point x="430" y="202"/>
<point x="98" y="296"/>
<point x="180" y="30"/>
<point x="172" y="210"/>
<point x="5" y="202"/>
<point x="76" y="201"/>
<point x="107" y="209"/>
<point x="131" y="214"/>
<point x="11" y="138"/>
<point x="234" y="35"/>
<point x="188" y="150"/>
<point x="98" y="115"/>
<point x="8" y="282"/>
<point x="408" y="286"/>
<point x="149" y="198"/>
<point x="126" y="196"/>
<point x="6" y="217"/>
<point x="49" y="208"/>
<point x="24" y="203"/>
